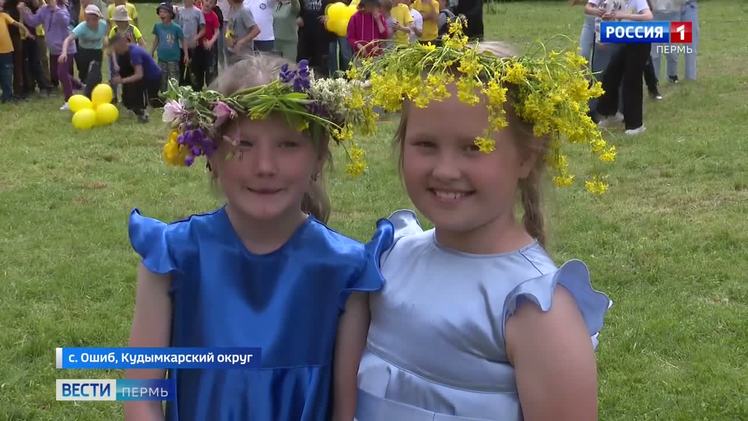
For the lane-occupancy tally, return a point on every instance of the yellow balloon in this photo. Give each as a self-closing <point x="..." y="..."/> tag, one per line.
<point x="79" y="102"/>
<point x="84" y="119"/>
<point x="335" y="11"/>
<point x="102" y="94"/>
<point x="106" y="114"/>
<point x="340" y="27"/>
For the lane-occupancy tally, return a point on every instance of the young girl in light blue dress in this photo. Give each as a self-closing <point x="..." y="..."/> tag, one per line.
<point x="476" y="321"/>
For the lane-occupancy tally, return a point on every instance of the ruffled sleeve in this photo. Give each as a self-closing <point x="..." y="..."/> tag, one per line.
<point x="148" y="237"/>
<point x="369" y="278"/>
<point x="575" y="277"/>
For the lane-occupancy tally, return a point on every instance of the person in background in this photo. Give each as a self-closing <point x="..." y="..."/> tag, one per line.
<point x="169" y="44"/>
<point x="472" y="10"/>
<point x="367" y="29"/>
<point x="139" y="76"/>
<point x="403" y="21"/>
<point x="665" y="10"/>
<point x="429" y="10"/>
<point x="132" y="11"/>
<point x="55" y="18"/>
<point x="79" y="11"/>
<point x="41" y="45"/>
<point x="34" y="75"/>
<point x="121" y="25"/>
<point x="6" y="54"/>
<point x="446" y="16"/>
<point x="626" y="67"/>
<point x="689" y="12"/>
<point x="192" y="22"/>
<point x="416" y="29"/>
<point x="205" y="59"/>
<point x="91" y="36"/>
<point x="222" y="10"/>
<point x="339" y="52"/>
<point x="285" y="29"/>
<point x="313" y="39"/>
<point x="241" y="32"/>
<point x="17" y="38"/>
<point x="262" y="12"/>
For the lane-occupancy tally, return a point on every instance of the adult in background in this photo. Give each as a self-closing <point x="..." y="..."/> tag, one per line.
<point x="472" y="10"/>
<point x="626" y="66"/>
<point x="139" y="76"/>
<point x="689" y="12"/>
<point x="91" y="36"/>
<point x="262" y="12"/>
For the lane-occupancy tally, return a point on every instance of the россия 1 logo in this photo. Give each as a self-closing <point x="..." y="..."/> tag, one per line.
<point x="656" y="32"/>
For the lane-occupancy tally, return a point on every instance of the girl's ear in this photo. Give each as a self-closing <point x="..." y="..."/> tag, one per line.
<point x="529" y="161"/>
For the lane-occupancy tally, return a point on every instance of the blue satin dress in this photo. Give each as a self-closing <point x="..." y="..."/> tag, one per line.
<point x="436" y="350"/>
<point x="287" y="303"/>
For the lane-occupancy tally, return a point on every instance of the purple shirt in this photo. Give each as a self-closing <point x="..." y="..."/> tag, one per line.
<point x="56" y="24"/>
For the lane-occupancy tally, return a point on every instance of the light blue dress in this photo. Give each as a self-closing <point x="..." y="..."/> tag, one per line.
<point x="287" y="303"/>
<point x="436" y="348"/>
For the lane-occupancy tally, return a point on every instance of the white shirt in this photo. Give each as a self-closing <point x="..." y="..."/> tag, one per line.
<point x="262" y="11"/>
<point x="417" y="23"/>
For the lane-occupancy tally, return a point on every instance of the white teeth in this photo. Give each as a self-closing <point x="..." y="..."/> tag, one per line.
<point x="448" y="195"/>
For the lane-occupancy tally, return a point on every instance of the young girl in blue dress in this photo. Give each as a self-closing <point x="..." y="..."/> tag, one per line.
<point x="262" y="271"/>
<point x="475" y="321"/>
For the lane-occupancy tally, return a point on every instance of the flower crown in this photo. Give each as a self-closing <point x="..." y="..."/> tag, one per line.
<point x="315" y="106"/>
<point x="551" y="91"/>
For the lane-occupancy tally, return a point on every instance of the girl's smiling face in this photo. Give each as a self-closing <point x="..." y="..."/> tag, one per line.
<point x="457" y="187"/>
<point x="271" y="168"/>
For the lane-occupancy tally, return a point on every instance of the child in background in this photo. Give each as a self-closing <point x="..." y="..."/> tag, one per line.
<point x="132" y="35"/>
<point x="56" y="22"/>
<point x="262" y="14"/>
<point x="205" y="52"/>
<point x="445" y="18"/>
<point x="263" y="270"/>
<point x="416" y="29"/>
<point x="132" y="11"/>
<point x="6" y="54"/>
<point x="479" y="290"/>
<point x="91" y="39"/>
<point x="241" y="32"/>
<point x="367" y="29"/>
<point x="138" y="74"/>
<point x="403" y="22"/>
<point x="169" y="44"/>
<point x="192" y="22"/>
<point x="34" y="75"/>
<point x="429" y="10"/>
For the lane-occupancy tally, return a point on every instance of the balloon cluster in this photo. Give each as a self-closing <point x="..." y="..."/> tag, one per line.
<point x="97" y="111"/>
<point x="338" y="15"/>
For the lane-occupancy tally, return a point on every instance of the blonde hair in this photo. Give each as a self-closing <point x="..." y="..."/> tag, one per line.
<point x="260" y="69"/>
<point x="527" y="143"/>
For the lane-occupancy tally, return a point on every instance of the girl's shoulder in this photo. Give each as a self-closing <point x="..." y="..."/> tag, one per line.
<point x="162" y="245"/>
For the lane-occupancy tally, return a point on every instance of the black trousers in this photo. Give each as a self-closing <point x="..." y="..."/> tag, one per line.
<point x="626" y="67"/>
<point x="313" y="41"/>
<point x="201" y="66"/>
<point x="34" y="76"/>
<point x="84" y="58"/>
<point x="137" y="95"/>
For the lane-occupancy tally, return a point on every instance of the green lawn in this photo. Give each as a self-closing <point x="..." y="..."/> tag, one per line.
<point x="668" y="243"/>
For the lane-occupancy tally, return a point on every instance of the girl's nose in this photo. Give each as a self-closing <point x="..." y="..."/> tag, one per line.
<point x="446" y="168"/>
<point x="264" y="164"/>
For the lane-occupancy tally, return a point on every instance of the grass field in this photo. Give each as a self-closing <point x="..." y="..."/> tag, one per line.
<point x="668" y="243"/>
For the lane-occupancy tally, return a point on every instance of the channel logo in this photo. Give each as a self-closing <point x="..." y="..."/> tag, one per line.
<point x="115" y="390"/>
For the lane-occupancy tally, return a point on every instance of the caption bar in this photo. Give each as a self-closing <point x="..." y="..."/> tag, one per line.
<point x="145" y="358"/>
